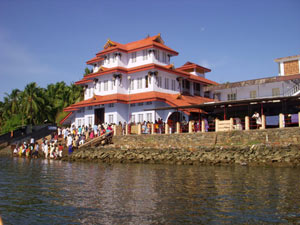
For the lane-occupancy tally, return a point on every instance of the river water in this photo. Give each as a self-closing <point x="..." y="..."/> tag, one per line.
<point x="54" y="192"/>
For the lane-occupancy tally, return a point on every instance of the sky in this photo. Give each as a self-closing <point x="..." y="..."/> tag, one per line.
<point x="46" y="41"/>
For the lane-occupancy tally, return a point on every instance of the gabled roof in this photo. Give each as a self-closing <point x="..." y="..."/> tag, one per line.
<point x="189" y="65"/>
<point x="171" y="99"/>
<point x="288" y="58"/>
<point x="94" y="60"/>
<point x="149" y="42"/>
<point x="168" y="68"/>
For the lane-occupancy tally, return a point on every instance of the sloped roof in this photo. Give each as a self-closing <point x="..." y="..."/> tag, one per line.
<point x="171" y="99"/>
<point x="190" y="65"/>
<point x="168" y="68"/>
<point x="148" y="42"/>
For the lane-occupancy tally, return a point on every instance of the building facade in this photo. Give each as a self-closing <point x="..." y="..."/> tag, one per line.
<point x="128" y="79"/>
<point x="287" y="83"/>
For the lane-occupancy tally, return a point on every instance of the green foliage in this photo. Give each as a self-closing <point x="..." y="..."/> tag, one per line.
<point x="86" y="71"/>
<point x="12" y="123"/>
<point x="35" y="105"/>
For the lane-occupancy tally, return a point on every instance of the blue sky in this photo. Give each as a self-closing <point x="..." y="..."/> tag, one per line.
<point x="50" y="41"/>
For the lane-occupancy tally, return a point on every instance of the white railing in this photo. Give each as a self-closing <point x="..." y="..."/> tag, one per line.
<point x="293" y="90"/>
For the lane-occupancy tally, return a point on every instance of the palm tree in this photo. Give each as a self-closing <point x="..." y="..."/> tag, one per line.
<point x="13" y="100"/>
<point x="32" y="103"/>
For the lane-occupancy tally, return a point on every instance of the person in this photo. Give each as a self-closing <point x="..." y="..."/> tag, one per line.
<point x="256" y="116"/>
<point x="46" y="149"/>
<point x="70" y="143"/>
<point x="60" y="150"/>
<point x="36" y="150"/>
<point x="206" y="125"/>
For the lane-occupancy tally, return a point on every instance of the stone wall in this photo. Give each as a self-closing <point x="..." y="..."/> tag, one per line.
<point x="267" y="147"/>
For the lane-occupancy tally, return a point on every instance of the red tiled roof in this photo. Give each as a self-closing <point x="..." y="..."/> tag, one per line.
<point x="190" y="65"/>
<point x="148" y="42"/>
<point x="171" y="99"/>
<point x="89" y="78"/>
<point x="64" y="119"/>
<point x="94" y="60"/>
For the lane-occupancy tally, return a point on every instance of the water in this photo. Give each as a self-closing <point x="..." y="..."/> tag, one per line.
<point x="55" y="192"/>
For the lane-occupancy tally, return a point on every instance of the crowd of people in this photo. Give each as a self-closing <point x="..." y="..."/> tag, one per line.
<point x="69" y="137"/>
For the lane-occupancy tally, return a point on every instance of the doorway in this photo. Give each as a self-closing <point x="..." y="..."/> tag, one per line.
<point x="99" y="116"/>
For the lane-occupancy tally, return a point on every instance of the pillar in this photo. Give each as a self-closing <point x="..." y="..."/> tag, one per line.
<point x="231" y="124"/>
<point x="152" y="128"/>
<point x="281" y="120"/>
<point x="202" y="126"/>
<point x="216" y="124"/>
<point x="126" y="129"/>
<point x="115" y="129"/>
<point x="247" y="123"/>
<point x="139" y="131"/>
<point x="263" y="122"/>
<point x="166" y="128"/>
<point x="190" y="127"/>
<point x="177" y="127"/>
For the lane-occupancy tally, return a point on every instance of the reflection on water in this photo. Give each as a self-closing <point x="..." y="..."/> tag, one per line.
<point x="55" y="192"/>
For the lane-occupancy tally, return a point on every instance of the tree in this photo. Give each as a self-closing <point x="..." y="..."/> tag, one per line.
<point x="32" y="103"/>
<point x="86" y="71"/>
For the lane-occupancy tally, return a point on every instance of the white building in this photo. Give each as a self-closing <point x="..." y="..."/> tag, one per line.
<point x="129" y="78"/>
<point x="287" y="83"/>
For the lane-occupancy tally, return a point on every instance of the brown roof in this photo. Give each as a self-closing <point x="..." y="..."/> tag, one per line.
<point x="288" y="58"/>
<point x="252" y="82"/>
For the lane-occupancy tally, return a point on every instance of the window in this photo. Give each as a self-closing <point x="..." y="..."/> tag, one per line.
<point x="231" y="96"/>
<point x="133" y="118"/>
<point x="99" y="86"/>
<point x="139" y="83"/>
<point x="157" y="54"/>
<point x="131" y="84"/>
<point x="89" y="92"/>
<point x="108" y="58"/>
<point x="90" y="119"/>
<point x="114" y="57"/>
<point x="110" y="105"/>
<point x="90" y="108"/>
<point x="110" y="118"/>
<point x="133" y="57"/>
<point x="148" y="103"/>
<point x="149" y="117"/>
<point x="145" y="54"/>
<point x="164" y="57"/>
<point x="159" y="83"/>
<point x="173" y="85"/>
<point x="275" y="91"/>
<point x="217" y="96"/>
<point x="106" y="85"/>
<point x="141" y="118"/>
<point x="252" y="94"/>
<point x="166" y="83"/>
<point x="112" y="85"/>
<point x="140" y="103"/>
<point x="78" y="122"/>
<point x="146" y="81"/>
<point x="132" y="104"/>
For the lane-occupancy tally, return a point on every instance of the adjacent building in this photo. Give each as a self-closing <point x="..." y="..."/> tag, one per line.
<point x="287" y="83"/>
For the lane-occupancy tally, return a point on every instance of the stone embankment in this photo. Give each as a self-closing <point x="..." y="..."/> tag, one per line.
<point x="255" y="147"/>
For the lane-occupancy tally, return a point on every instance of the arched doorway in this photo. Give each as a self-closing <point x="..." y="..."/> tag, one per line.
<point x="172" y="119"/>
